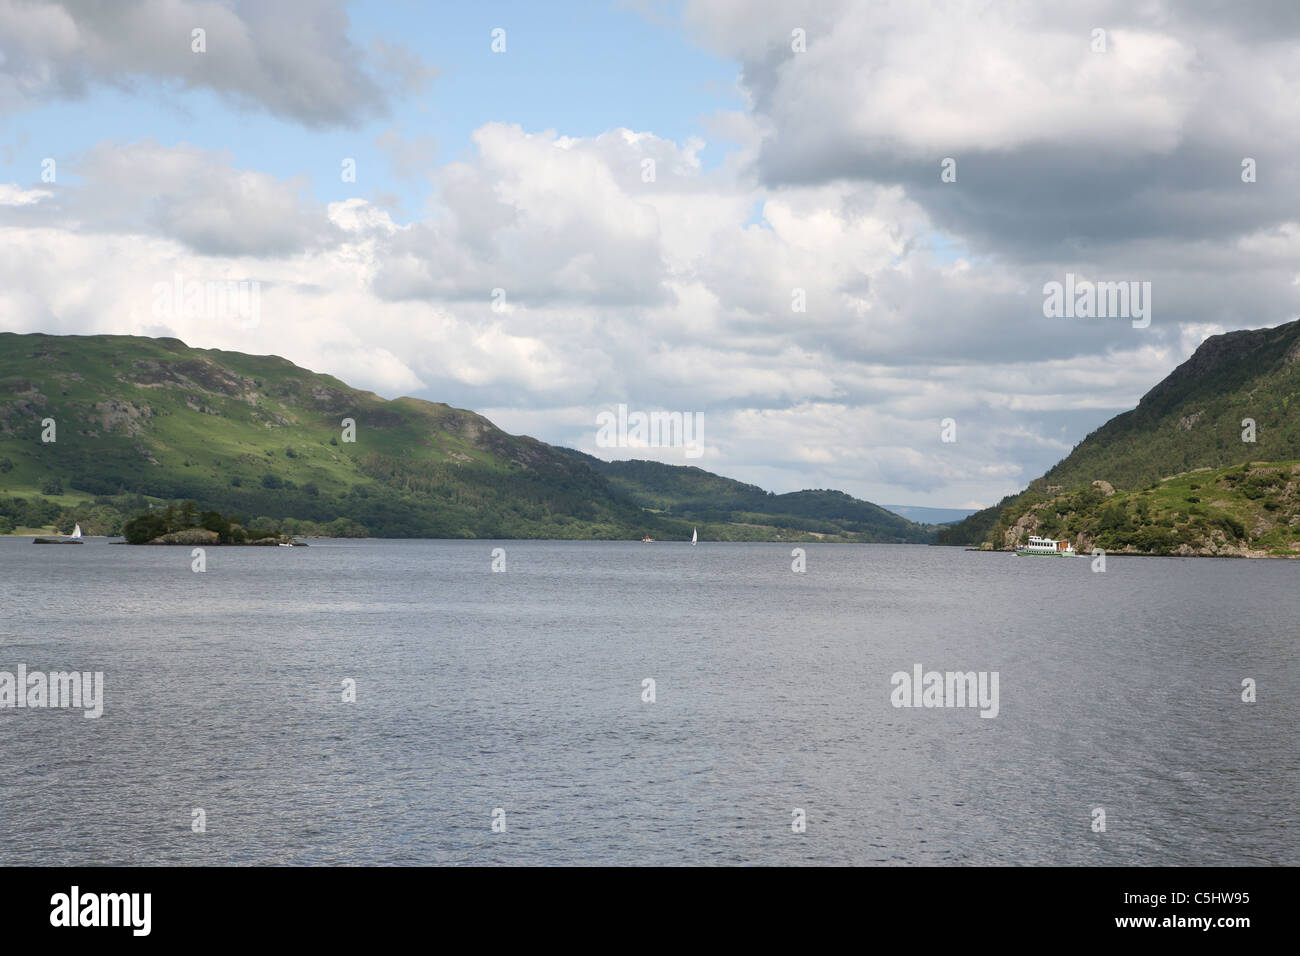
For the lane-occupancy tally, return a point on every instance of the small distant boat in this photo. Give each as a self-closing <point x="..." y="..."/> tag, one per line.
<point x="76" y="532"/>
<point x="286" y="544"/>
<point x="695" y="536"/>
<point x="1045" y="547"/>
<point x="648" y="540"/>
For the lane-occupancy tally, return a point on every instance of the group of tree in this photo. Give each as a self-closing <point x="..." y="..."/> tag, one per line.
<point x="109" y="515"/>
<point x="230" y="529"/>
<point x="158" y="522"/>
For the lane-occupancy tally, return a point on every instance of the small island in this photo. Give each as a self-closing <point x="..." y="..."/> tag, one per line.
<point x="189" y="526"/>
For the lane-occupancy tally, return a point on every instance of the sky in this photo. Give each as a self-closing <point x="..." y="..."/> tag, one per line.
<point x="826" y="229"/>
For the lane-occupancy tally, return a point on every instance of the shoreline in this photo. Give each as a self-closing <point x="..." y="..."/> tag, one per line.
<point x="118" y="539"/>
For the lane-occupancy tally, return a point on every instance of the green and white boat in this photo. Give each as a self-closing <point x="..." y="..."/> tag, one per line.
<point x="1045" y="547"/>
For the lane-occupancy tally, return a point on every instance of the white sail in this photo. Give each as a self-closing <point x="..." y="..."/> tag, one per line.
<point x="695" y="535"/>
<point x="76" y="532"/>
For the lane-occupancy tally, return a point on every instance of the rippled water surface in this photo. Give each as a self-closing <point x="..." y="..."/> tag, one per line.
<point x="523" y="690"/>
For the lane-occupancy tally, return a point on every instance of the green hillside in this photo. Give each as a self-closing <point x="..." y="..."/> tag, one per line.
<point x="687" y="492"/>
<point x="1249" y="510"/>
<point x="256" y="435"/>
<point x="143" y="422"/>
<point x="1192" y="419"/>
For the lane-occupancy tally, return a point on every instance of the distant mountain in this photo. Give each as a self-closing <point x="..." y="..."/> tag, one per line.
<point x="139" y="422"/>
<point x="1235" y="386"/>
<point x="684" y="491"/>
<point x="930" y="515"/>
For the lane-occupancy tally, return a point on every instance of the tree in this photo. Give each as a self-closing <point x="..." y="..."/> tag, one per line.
<point x="1112" y="517"/>
<point x="52" y="486"/>
<point x="345" y="528"/>
<point x="144" y="528"/>
<point x="212" y="521"/>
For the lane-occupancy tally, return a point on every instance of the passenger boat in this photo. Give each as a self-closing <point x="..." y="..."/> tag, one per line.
<point x="1046" y="547"/>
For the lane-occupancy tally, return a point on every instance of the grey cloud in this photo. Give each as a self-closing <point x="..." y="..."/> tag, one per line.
<point x="1140" y="146"/>
<point x="293" y="59"/>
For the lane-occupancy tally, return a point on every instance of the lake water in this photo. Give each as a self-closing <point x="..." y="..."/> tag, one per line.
<point x="523" y="691"/>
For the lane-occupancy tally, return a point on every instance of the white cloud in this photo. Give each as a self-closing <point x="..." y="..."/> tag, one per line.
<point x="12" y="195"/>
<point x="192" y="196"/>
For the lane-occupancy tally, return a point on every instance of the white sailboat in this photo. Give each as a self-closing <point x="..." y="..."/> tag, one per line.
<point x="74" y="538"/>
<point x="695" y="536"/>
